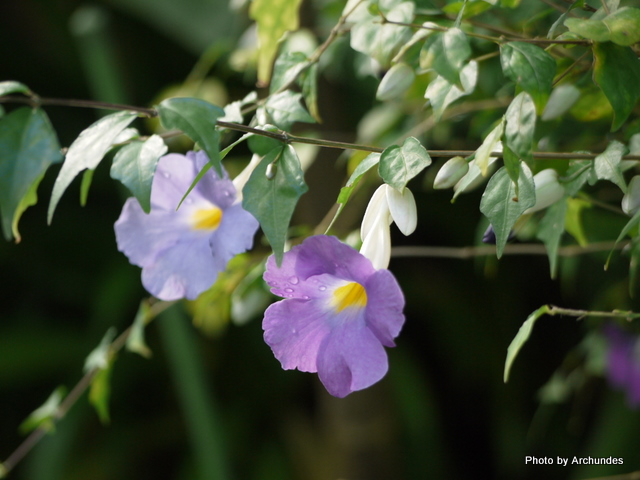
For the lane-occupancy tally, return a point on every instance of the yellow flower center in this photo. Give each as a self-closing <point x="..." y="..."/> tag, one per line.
<point x="350" y="295"/>
<point x="207" y="218"/>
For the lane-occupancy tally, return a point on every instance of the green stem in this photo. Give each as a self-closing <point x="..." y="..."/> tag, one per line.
<point x="283" y="136"/>
<point x="70" y="400"/>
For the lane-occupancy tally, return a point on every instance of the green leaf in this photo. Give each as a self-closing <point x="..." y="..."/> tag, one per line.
<point x="135" y="340"/>
<point x="520" y="126"/>
<point x="631" y="224"/>
<point x="274" y="18"/>
<point x="621" y="27"/>
<point x="309" y="83"/>
<point x="285" y="109"/>
<point x="101" y="359"/>
<point x="446" y="53"/>
<point x="286" y="69"/>
<point x="197" y="119"/>
<point x="561" y="18"/>
<point x="261" y="145"/>
<point x="521" y="337"/>
<point x="441" y="93"/>
<point x="576" y="176"/>
<point x="512" y="164"/>
<point x="273" y="200"/>
<point x="28" y="146"/>
<point x="398" y="165"/>
<point x="550" y="232"/>
<point x="617" y="73"/>
<point x="100" y="392"/>
<point x="624" y="25"/>
<point x="607" y="164"/>
<point x="501" y="206"/>
<point x="489" y="144"/>
<point x="44" y="416"/>
<point x="595" y="30"/>
<point x="135" y="164"/>
<point x="381" y="41"/>
<point x="87" y="178"/>
<point x="87" y="150"/>
<point x="530" y="67"/>
<point x="99" y="356"/>
<point x="10" y="86"/>
<point x="363" y="167"/>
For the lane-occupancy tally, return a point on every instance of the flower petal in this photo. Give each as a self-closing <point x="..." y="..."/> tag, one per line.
<point x="235" y="233"/>
<point x="377" y="208"/>
<point x="172" y="179"/>
<point x="315" y="256"/>
<point x="384" y="308"/>
<point x="295" y="329"/>
<point x="351" y="358"/>
<point x="142" y="236"/>
<point x="403" y="210"/>
<point x="182" y="271"/>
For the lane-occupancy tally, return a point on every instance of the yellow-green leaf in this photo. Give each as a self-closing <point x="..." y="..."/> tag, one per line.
<point x="274" y="19"/>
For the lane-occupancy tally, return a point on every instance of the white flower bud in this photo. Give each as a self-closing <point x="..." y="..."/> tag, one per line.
<point x="403" y="209"/>
<point x="395" y="82"/>
<point x="377" y="244"/>
<point x="631" y="199"/>
<point x="548" y="189"/>
<point x="377" y="209"/>
<point x="450" y="173"/>
<point x="243" y="177"/>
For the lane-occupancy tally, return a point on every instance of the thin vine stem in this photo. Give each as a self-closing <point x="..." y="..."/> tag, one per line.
<point x="281" y="135"/>
<point x="499" y="40"/>
<point x="72" y="397"/>
<point x="465" y="253"/>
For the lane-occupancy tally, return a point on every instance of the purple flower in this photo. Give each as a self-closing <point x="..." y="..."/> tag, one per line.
<point x="623" y="362"/>
<point x="338" y="314"/>
<point x="181" y="252"/>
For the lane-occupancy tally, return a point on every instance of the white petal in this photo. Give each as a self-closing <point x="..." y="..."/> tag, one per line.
<point x="403" y="210"/>
<point x="376" y="209"/>
<point x="377" y="244"/>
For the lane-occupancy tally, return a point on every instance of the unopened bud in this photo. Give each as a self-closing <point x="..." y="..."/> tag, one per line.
<point x="450" y="173"/>
<point x="403" y="209"/>
<point x="378" y="208"/>
<point x="548" y="189"/>
<point x="395" y="82"/>
<point x="631" y="199"/>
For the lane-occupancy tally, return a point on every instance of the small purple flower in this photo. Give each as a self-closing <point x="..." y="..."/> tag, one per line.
<point x="338" y="314"/>
<point x="181" y="252"/>
<point x="623" y="362"/>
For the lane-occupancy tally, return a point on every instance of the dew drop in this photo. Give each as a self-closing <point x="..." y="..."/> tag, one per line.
<point x="293" y="280"/>
<point x="294" y="331"/>
<point x="322" y="288"/>
<point x="166" y="174"/>
<point x="305" y="297"/>
<point x="288" y="290"/>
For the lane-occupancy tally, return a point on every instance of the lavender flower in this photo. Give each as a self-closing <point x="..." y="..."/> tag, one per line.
<point x="182" y="251"/>
<point x="623" y="362"/>
<point x="338" y="314"/>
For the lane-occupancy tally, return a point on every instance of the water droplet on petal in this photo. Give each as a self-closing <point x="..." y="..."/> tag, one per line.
<point x="293" y="280"/>
<point x="305" y="297"/>
<point x="288" y="290"/>
<point x="166" y="174"/>
<point x="294" y="331"/>
<point x="322" y="288"/>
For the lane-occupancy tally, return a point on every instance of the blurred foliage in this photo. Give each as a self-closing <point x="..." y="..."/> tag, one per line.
<point x="219" y="406"/>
